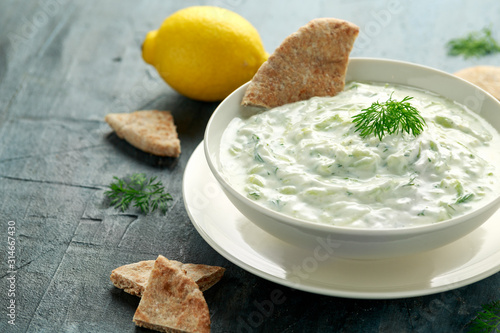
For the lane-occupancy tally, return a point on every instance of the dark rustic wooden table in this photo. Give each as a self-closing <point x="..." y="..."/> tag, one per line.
<point x="65" y="64"/>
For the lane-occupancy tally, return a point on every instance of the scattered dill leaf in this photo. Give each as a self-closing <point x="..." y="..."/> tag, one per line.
<point x="389" y="117"/>
<point x="464" y="198"/>
<point x="255" y="195"/>
<point x="411" y="182"/>
<point x="475" y="44"/>
<point x="276" y="202"/>
<point x="487" y="320"/>
<point x="145" y="194"/>
<point x="257" y="156"/>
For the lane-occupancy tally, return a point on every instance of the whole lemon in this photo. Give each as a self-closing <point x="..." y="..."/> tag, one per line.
<point x="205" y="52"/>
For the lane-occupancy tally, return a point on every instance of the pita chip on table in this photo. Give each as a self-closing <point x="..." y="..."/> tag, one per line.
<point x="151" y="131"/>
<point x="205" y="276"/>
<point x="133" y="278"/>
<point x="485" y="77"/>
<point x="172" y="301"/>
<point x="310" y="62"/>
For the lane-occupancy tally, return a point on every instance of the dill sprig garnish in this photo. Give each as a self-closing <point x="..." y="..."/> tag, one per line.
<point x="145" y="194"/>
<point x="487" y="320"/>
<point x="475" y="44"/>
<point x="389" y="117"/>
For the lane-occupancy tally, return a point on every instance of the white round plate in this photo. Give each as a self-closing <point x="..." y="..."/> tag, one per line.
<point x="463" y="262"/>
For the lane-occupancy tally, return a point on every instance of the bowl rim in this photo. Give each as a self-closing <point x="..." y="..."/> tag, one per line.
<point x="346" y="230"/>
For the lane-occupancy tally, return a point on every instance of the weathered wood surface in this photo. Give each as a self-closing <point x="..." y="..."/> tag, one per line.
<point x="65" y="64"/>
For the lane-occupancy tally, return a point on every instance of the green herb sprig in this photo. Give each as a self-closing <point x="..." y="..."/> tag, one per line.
<point x="475" y="44"/>
<point x="145" y="194"/>
<point x="389" y="117"/>
<point x="487" y="320"/>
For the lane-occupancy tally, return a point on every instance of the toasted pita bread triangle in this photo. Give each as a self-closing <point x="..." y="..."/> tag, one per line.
<point x="485" y="77"/>
<point x="310" y="62"/>
<point x="205" y="276"/>
<point x="151" y="131"/>
<point x="133" y="278"/>
<point x="172" y="301"/>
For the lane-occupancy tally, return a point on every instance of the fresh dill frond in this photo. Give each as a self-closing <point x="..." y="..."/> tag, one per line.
<point x="389" y="117"/>
<point x="145" y="194"/>
<point x="487" y="320"/>
<point x="475" y="44"/>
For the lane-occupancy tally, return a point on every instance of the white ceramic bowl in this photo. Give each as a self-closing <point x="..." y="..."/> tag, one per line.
<point x="355" y="242"/>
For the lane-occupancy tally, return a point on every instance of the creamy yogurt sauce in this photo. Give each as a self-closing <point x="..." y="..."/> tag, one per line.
<point x="305" y="160"/>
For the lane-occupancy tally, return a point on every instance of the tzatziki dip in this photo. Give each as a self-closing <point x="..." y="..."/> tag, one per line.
<point x="306" y="160"/>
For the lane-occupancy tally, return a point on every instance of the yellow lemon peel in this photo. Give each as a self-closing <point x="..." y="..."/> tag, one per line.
<point x="205" y="52"/>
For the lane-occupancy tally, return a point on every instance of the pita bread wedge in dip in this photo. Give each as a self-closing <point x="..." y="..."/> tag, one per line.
<point x="310" y="62"/>
<point x="133" y="278"/>
<point x="172" y="301"/>
<point x="485" y="77"/>
<point x="151" y="131"/>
